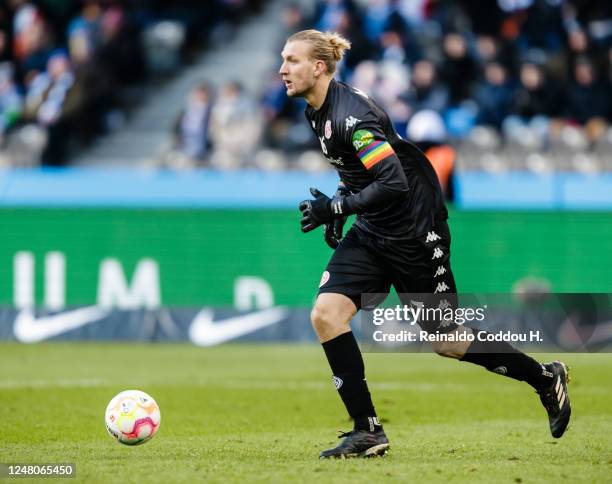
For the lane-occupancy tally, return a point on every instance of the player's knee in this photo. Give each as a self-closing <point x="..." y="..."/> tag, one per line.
<point x="320" y="317"/>
<point x="456" y="343"/>
<point x="324" y="317"/>
<point x="449" y="349"/>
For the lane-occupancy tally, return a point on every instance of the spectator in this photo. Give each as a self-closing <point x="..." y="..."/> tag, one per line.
<point x="191" y="129"/>
<point x="393" y="47"/>
<point x="391" y="87"/>
<point x="284" y="126"/>
<point x="492" y="49"/>
<point x="375" y="14"/>
<point x="458" y="70"/>
<point x="588" y="25"/>
<point x="51" y="101"/>
<point x="82" y="93"/>
<point x="494" y="95"/>
<point x="11" y="102"/>
<point x="292" y="21"/>
<point x="5" y="48"/>
<point x="400" y="36"/>
<point x="341" y="16"/>
<point x="413" y="11"/>
<point x="588" y="98"/>
<point x="536" y="95"/>
<point x="365" y="77"/>
<point x="542" y="13"/>
<point x="425" y="91"/>
<point x="120" y="55"/>
<point x="486" y="17"/>
<point x="32" y="41"/>
<point x="235" y="127"/>
<point x="330" y="13"/>
<point x="426" y="129"/>
<point x="84" y="32"/>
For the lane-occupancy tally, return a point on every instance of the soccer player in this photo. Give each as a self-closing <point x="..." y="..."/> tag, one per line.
<point x="400" y="238"/>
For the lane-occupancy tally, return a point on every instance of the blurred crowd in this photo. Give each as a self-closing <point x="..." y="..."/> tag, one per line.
<point x="509" y="83"/>
<point x="71" y="70"/>
<point x="505" y="83"/>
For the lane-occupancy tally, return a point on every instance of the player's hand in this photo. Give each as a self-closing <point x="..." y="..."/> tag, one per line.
<point x="332" y="232"/>
<point x="319" y="211"/>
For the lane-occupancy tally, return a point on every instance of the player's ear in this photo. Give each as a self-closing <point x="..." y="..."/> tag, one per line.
<point x="319" y="68"/>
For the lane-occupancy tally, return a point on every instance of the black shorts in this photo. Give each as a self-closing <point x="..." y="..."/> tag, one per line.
<point x="364" y="264"/>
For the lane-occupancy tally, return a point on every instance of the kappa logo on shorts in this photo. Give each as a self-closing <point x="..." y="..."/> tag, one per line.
<point x="441" y="287"/>
<point x="437" y="253"/>
<point x="440" y="271"/>
<point x="324" y="278"/>
<point x="444" y="304"/>
<point x="432" y="237"/>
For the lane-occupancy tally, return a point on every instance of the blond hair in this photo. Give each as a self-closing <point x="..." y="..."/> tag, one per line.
<point x="326" y="46"/>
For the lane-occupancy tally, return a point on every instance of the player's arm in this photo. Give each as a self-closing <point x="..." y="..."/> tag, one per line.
<point x="389" y="183"/>
<point x="389" y="180"/>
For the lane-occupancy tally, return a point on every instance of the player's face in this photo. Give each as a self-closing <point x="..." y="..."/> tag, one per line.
<point x="298" y="69"/>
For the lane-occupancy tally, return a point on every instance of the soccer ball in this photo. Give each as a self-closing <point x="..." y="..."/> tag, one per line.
<point x="132" y="417"/>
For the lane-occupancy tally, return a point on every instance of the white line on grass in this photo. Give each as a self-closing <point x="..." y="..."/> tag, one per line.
<point x="229" y="384"/>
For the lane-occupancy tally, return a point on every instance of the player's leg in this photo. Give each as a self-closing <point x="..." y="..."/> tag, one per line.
<point x="350" y="272"/>
<point x="549" y="380"/>
<point x="331" y="316"/>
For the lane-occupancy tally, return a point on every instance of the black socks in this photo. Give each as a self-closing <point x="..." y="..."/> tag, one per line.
<point x="346" y="363"/>
<point x="348" y="370"/>
<point x="502" y="358"/>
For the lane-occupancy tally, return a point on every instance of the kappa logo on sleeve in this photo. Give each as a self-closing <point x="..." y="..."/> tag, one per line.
<point x="362" y="138"/>
<point x="350" y="122"/>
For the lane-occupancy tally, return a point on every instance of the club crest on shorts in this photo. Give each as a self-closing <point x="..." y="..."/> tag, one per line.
<point x="328" y="131"/>
<point x="324" y="278"/>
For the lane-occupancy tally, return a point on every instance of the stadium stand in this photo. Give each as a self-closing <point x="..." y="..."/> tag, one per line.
<point x="520" y="86"/>
<point x="72" y="71"/>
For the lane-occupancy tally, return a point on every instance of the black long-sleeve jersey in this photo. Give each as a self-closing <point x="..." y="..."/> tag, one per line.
<point x="395" y="190"/>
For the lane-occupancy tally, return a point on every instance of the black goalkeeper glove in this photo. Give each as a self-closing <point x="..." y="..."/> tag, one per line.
<point x="332" y="231"/>
<point x="320" y="210"/>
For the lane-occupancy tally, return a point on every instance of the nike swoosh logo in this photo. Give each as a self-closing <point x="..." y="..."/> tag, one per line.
<point x="29" y="329"/>
<point x="203" y="332"/>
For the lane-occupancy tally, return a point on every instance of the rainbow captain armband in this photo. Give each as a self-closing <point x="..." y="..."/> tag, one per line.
<point x="369" y="150"/>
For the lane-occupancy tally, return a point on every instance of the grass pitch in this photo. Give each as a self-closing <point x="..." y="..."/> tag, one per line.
<point x="262" y="413"/>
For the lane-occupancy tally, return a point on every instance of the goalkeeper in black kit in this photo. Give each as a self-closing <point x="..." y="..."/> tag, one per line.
<point x="400" y="238"/>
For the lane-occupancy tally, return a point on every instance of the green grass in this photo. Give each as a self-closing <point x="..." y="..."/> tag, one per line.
<point x="262" y="413"/>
